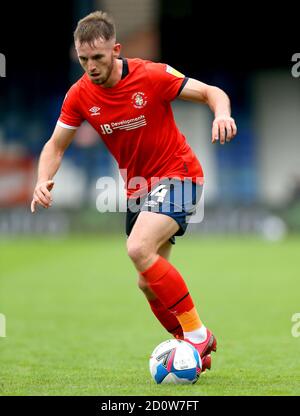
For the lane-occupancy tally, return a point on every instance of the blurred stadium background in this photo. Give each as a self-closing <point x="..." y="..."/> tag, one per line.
<point x="252" y="185"/>
<point x="50" y="259"/>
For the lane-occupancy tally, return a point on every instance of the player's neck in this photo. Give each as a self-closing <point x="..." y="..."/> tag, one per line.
<point x="116" y="74"/>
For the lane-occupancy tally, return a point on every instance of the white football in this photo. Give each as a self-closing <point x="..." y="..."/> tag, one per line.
<point x="175" y="362"/>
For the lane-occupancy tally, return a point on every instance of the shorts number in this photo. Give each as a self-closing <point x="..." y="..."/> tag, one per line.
<point x="160" y="192"/>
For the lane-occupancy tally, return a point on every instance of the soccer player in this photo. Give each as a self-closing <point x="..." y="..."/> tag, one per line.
<point x="128" y="102"/>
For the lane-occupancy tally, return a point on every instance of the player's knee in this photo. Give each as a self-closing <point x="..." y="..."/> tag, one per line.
<point x="137" y="250"/>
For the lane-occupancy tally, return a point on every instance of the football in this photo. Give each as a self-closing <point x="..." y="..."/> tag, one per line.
<point x="175" y="362"/>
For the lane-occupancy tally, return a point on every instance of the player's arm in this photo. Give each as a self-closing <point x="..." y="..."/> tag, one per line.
<point x="50" y="160"/>
<point x="224" y="127"/>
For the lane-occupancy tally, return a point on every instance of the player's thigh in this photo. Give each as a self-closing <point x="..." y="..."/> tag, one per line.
<point x="152" y="230"/>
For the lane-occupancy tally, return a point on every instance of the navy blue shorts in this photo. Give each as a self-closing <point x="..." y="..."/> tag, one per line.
<point x="173" y="197"/>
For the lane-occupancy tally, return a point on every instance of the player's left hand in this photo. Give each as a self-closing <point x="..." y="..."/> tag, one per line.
<point x="224" y="129"/>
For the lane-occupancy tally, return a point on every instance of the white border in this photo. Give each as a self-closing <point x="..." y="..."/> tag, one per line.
<point x="66" y="126"/>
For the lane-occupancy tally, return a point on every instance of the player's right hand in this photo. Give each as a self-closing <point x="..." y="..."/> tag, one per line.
<point x="42" y="195"/>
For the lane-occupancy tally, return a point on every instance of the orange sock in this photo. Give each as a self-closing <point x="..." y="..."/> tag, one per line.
<point x="168" y="285"/>
<point x="190" y="320"/>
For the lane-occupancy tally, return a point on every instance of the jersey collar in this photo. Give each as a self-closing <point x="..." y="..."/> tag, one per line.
<point x="125" y="68"/>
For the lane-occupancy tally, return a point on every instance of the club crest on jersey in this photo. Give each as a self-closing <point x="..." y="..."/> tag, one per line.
<point x="139" y="100"/>
<point x="95" y="111"/>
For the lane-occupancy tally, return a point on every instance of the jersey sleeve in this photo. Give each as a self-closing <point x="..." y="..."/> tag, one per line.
<point x="166" y="81"/>
<point x="70" y="117"/>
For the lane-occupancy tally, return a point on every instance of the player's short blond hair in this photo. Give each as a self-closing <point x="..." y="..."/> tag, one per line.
<point x="94" y="26"/>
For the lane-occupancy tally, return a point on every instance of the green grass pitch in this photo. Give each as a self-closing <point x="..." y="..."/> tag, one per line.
<point x="77" y="324"/>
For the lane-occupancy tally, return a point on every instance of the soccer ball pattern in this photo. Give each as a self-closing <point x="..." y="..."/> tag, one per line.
<point x="175" y="362"/>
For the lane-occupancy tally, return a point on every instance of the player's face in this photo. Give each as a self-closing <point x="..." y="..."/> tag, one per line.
<point x="98" y="59"/>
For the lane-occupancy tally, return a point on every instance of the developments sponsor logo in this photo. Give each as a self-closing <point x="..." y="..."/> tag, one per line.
<point x="127" y="125"/>
<point x="130" y="124"/>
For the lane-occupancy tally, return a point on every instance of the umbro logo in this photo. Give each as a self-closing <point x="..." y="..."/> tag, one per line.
<point x="95" y="111"/>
